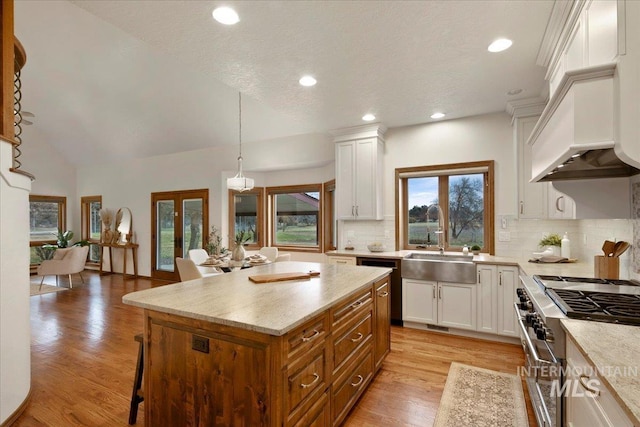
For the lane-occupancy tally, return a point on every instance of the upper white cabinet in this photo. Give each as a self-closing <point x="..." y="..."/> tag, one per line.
<point x="359" y="155"/>
<point x="532" y="197"/>
<point x="560" y="206"/>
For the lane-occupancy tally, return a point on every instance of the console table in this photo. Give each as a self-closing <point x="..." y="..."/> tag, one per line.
<point x="134" y="256"/>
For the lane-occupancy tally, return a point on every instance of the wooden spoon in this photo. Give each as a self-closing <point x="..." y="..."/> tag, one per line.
<point x="620" y="248"/>
<point x="608" y="247"/>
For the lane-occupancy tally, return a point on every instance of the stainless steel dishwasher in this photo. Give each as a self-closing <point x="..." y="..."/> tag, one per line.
<point x="396" y="283"/>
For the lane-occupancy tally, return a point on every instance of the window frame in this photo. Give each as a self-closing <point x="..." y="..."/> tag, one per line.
<point x="62" y="216"/>
<point x="260" y="220"/>
<point x="271" y="192"/>
<point x="329" y="223"/>
<point x="402" y="220"/>
<point x="85" y="223"/>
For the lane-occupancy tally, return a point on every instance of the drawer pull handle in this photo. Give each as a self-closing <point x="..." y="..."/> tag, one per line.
<point x="358" y="337"/>
<point x="315" y="380"/>
<point x="357" y="383"/>
<point x="586" y="387"/>
<point x="356" y="304"/>
<point x="383" y="294"/>
<point x="312" y="336"/>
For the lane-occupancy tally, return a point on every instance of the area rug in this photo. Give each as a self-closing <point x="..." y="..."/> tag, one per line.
<point x="46" y="289"/>
<point x="481" y="398"/>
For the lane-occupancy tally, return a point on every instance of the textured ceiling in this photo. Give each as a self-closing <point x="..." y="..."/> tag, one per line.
<point x="157" y="77"/>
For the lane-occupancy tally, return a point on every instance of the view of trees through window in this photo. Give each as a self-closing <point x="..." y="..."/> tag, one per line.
<point x="463" y="210"/>
<point x="296" y="218"/>
<point x="46" y="217"/>
<point x="246" y="216"/>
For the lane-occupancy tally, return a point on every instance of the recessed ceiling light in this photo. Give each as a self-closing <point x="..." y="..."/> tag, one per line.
<point x="437" y="115"/>
<point x="500" y="45"/>
<point x="225" y="15"/>
<point x="514" y="91"/>
<point x="307" y="81"/>
<point x="368" y="117"/>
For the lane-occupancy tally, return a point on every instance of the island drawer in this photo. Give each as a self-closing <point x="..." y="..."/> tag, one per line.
<point x="349" y="386"/>
<point x="306" y="377"/>
<point x="300" y="340"/>
<point x="355" y="337"/>
<point x="316" y="414"/>
<point x="344" y="312"/>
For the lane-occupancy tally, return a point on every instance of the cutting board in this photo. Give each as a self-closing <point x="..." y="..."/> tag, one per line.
<point x="281" y="277"/>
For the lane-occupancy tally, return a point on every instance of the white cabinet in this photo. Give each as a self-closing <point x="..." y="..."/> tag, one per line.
<point x="337" y="259"/>
<point x="589" y="402"/>
<point x="359" y="156"/>
<point x="445" y="304"/>
<point x="497" y="286"/>
<point x="560" y="205"/>
<point x="532" y="197"/>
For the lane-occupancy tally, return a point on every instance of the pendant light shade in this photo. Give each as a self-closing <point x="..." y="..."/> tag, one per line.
<point x="240" y="182"/>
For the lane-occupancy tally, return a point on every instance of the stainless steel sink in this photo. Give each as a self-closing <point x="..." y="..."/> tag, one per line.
<point x="439" y="267"/>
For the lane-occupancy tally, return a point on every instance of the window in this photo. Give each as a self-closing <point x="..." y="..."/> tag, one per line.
<point x="246" y="214"/>
<point x="446" y="205"/>
<point x="47" y="215"/>
<point x="91" y="224"/>
<point x="295" y="217"/>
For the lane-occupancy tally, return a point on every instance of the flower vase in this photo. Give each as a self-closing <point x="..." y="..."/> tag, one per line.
<point x="238" y="253"/>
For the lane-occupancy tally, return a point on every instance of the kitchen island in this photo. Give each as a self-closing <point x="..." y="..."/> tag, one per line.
<point x="223" y="350"/>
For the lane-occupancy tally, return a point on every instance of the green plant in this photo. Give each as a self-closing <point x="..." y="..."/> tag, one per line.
<point x="214" y="242"/>
<point x="64" y="238"/>
<point x="475" y="248"/>
<point x="551" y="240"/>
<point x="241" y="237"/>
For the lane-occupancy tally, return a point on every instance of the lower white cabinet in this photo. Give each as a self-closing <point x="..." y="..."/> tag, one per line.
<point x="336" y="259"/>
<point x="441" y="303"/>
<point x="497" y="286"/>
<point x="589" y="402"/>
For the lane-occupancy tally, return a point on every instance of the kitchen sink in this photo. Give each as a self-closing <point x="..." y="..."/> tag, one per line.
<point x="439" y="267"/>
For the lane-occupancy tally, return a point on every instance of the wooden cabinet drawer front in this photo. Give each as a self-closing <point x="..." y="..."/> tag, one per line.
<point x="351" y="308"/>
<point x="319" y="415"/>
<point x="354" y="338"/>
<point x="350" y="386"/>
<point x="301" y="339"/>
<point x="306" y="377"/>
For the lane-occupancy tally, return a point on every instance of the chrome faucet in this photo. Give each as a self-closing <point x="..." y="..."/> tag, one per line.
<point x="440" y="231"/>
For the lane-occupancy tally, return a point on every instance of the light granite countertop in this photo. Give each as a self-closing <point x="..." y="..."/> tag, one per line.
<point x="615" y="351"/>
<point x="273" y="308"/>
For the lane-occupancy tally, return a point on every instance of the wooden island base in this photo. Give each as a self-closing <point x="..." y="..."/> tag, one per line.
<point x="200" y="373"/>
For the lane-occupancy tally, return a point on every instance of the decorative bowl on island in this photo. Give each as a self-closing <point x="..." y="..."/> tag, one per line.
<point x="376" y="247"/>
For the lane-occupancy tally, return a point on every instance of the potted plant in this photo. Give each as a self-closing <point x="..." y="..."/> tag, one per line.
<point x="475" y="249"/>
<point x="214" y="242"/>
<point x="238" y="251"/>
<point x="553" y="241"/>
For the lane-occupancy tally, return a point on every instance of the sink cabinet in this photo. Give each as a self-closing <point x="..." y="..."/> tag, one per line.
<point x="442" y="303"/>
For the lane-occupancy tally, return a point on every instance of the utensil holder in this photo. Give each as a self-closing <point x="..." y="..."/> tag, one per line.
<point x="606" y="267"/>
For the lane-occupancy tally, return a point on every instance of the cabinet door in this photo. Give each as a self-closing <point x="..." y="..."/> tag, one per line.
<point x="344" y="260"/>
<point x="365" y="179"/>
<point x="382" y="330"/>
<point x="419" y="302"/>
<point x="457" y="305"/>
<point x="487" y="299"/>
<point x="508" y="279"/>
<point x="561" y="206"/>
<point x="532" y="197"/>
<point x="345" y="180"/>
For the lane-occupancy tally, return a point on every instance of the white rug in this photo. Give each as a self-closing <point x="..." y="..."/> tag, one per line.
<point x="481" y="398"/>
<point x="46" y="289"/>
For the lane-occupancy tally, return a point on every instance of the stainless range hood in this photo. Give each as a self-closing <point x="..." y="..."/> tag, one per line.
<point x="575" y="137"/>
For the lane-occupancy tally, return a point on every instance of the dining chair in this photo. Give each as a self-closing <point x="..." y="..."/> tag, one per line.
<point x="270" y="252"/>
<point x="283" y="257"/>
<point x="198" y="255"/>
<point x="187" y="269"/>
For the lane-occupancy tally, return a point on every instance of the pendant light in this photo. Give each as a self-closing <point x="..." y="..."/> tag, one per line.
<point x="240" y="182"/>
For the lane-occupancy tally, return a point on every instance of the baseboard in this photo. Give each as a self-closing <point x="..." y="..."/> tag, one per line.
<point x="16" y="414"/>
<point x="462" y="332"/>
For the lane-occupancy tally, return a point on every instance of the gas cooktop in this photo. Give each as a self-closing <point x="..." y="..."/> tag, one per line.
<point x="564" y="279"/>
<point x="599" y="306"/>
<point x="612" y="286"/>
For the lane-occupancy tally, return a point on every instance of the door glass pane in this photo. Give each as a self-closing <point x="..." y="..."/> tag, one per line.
<point x="191" y="225"/>
<point x="466" y="210"/>
<point x="166" y="235"/>
<point x="246" y="219"/>
<point x="423" y="212"/>
<point x="297" y="219"/>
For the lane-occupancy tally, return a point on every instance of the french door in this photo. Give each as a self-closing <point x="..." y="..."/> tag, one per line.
<point x="180" y="223"/>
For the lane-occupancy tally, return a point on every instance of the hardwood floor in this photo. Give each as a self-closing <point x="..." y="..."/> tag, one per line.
<point x="84" y="355"/>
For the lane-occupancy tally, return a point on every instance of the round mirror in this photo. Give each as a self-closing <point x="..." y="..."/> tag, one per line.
<point x="124" y="225"/>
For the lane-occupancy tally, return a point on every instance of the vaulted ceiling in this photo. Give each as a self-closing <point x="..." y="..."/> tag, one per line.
<point x="108" y="80"/>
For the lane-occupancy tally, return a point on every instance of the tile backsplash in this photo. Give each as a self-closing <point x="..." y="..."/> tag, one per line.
<point x="586" y="236"/>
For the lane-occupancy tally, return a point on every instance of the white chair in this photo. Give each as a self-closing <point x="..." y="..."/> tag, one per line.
<point x="283" y="257"/>
<point x="187" y="269"/>
<point x="270" y="252"/>
<point x="65" y="261"/>
<point x="198" y="256"/>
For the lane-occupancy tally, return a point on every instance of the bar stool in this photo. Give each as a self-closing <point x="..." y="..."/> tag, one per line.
<point x="137" y="395"/>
